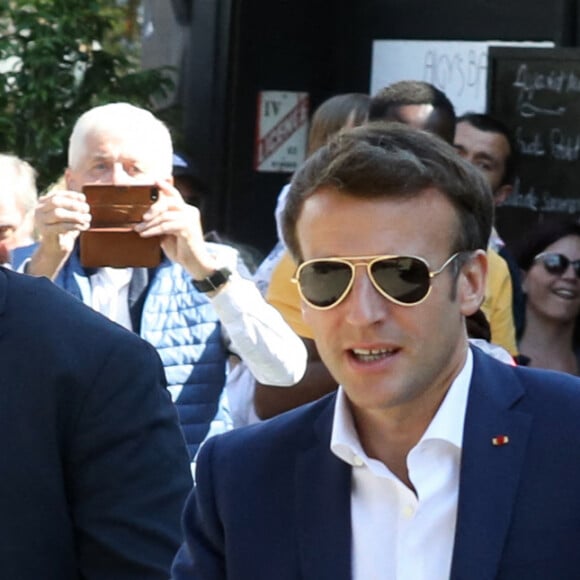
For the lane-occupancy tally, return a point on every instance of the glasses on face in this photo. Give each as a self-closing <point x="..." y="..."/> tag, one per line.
<point x="404" y="280"/>
<point x="557" y="264"/>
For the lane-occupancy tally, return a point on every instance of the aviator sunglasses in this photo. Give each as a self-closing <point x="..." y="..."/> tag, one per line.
<point x="557" y="264"/>
<point x="405" y="280"/>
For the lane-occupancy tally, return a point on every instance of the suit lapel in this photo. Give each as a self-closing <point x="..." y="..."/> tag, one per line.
<point x="323" y="506"/>
<point x="489" y="473"/>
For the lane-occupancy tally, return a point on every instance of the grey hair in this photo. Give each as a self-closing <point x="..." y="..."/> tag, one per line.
<point x="18" y="178"/>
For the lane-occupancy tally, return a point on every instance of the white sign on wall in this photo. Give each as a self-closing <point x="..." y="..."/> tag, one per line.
<point x="281" y="131"/>
<point x="458" y="68"/>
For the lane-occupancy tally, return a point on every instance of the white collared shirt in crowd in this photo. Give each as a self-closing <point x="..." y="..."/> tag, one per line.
<point x="397" y="535"/>
<point x="110" y="294"/>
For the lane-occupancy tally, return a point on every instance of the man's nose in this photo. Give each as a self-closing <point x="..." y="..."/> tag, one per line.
<point x="364" y="305"/>
<point x="119" y="176"/>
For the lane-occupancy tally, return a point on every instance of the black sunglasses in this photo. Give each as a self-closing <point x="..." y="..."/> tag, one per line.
<point x="404" y="280"/>
<point x="557" y="264"/>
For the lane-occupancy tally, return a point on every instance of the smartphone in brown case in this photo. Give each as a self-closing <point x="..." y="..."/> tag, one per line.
<point x="111" y="241"/>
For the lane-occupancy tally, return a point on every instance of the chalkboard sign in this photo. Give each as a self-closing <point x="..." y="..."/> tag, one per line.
<point x="536" y="92"/>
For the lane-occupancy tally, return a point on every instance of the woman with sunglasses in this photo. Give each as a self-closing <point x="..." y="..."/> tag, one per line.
<point x="550" y="262"/>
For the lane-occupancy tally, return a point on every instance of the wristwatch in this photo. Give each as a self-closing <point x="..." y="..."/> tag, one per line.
<point x="213" y="281"/>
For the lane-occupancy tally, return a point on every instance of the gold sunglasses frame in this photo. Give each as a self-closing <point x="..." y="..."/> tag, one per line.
<point x="368" y="261"/>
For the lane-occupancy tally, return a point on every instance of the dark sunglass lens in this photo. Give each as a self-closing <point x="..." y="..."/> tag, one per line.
<point x="405" y="279"/>
<point x="555" y="263"/>
<point x="323" y="283"/>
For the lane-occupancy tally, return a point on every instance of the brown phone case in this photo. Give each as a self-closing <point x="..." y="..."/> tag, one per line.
<point x="111" y="241"/>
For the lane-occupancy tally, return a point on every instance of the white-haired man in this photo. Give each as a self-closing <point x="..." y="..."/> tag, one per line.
<point x="18" y="197"/>
<point x="181" y="307"/>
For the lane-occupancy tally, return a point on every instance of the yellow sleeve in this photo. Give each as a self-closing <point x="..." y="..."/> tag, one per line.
<point x="283" y="295"/>
<point x="497" y="305"/>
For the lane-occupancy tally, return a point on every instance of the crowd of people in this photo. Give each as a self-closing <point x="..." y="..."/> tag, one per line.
<point x="388" y="335"/>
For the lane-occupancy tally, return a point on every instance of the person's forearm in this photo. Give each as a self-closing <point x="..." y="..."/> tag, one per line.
<point x="259" y="335"/>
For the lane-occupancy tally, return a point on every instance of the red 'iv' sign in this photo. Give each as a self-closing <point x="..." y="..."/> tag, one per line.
<point x="281" y="131"/>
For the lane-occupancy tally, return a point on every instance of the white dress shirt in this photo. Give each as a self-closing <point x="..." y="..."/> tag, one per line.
<point x="397" y="535"/>
<point x="258" y="333"/>
<point x="110" y="293"/>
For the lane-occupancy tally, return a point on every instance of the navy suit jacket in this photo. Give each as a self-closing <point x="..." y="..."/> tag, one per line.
<point x="272" y="501"/>
<point x="93" y="470"/>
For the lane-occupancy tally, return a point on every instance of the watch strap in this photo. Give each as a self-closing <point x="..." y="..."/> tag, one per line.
<point x="212" y="282"/>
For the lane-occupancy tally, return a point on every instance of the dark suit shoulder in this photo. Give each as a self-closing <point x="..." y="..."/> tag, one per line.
<point x="83" y="399"/>
<point x="541" y="391"/>
<point x="23" y="296"/>
<point x="57" y="326"/>
<point x="267" y="449"/>
<point x="552" y="395"/>
<point x="294" y="427"/>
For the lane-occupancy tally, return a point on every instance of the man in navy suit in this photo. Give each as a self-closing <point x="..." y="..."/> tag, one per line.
<point x="432" y="461"/>
<point x="94" y="466"/>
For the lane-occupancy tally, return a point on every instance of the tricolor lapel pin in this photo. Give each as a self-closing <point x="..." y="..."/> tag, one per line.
<point x="500" y="440"/>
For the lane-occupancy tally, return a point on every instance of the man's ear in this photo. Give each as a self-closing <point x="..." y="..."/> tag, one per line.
<point x="502" y="193"/>
<point x="471" y="283"/>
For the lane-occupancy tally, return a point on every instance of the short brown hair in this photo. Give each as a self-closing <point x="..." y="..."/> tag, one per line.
<point x="393" y="160"/>
<point x="333" y="115"/>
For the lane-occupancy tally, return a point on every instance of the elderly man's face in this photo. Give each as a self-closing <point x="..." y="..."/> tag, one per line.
<point x="117" y="159"/>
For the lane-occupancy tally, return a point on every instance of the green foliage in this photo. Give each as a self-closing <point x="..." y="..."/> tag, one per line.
<point x="58" y="58"/>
